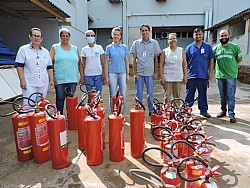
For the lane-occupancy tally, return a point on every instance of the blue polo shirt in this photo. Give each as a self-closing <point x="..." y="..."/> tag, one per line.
<point x="117" y="54"/>
<point x="198" y="60"/>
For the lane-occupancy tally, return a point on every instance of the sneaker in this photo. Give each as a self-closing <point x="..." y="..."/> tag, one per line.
<point x="221" y="114"/>
<point x="232" y="119"/>
<point x="205" y="114"/>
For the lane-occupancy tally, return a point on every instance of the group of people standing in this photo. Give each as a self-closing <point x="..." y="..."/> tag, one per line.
<point x="64" y="66"/>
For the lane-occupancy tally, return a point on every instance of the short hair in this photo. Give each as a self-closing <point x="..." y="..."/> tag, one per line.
<point x="197" y="30"/>
<point x="118" y="28"/>
<point x="88" y="31"/>
<point x="35" y="29"/>
<point x="64" y="30"/>
<point x="225" y="30"/>
<point x="174" y="34"/>
<point x="145" y="25"/>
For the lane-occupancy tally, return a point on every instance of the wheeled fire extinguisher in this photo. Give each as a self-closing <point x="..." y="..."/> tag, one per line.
<point x="39" y="136"/>
<point x="81" y="113"/>
<point x="94" y="148"/>
<point x="137" y="129"/>
<point x="168" y="170"/>
<point x="198" y="173"/>
<point x="57" y="138"/>
<point x="71" y="103"/>
<point x="115" y="100"/>
<point x="116" y="135"/>
<point x="38" y="99"/>
<point x="21" y="129"/>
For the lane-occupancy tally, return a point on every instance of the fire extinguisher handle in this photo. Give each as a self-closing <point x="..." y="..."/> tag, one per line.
<point x="188" y="139"/>
<point x="179" y="168"/>
<point x="51" y="111"/>
<point x="35" y="93"/>
<point x="20" y="108"/>
<point x="182" y="104"/>
<point x="88" y="107"/>
<point x="139" y="174"/>
<point x="155" y="148"/>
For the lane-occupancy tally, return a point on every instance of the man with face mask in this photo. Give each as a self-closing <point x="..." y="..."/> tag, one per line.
<point x="227" y="56"/>
<point x="93" y="63"/>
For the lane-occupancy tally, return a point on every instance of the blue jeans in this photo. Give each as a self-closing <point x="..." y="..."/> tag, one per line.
<point x="201" y="85"/>
<point x="61" y="94"/>
<point x="95" y="81"/>
<point x="227" y="90"/>
<point x="115" y="80"/>
<point x="139" y="85"/>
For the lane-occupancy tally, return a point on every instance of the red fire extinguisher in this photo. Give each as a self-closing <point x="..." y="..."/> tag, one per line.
<point x="21" y="129"/>
<point x="137" y="129"/>
<point x="57" y="138"/>
<point x="39" y="99"/>
<point x="116" y="135"/>
<point x="168" y="171"/>
<point x="71" y="103"/>
<point x="39" y="136"/>
<point x="81" y="113"/>
<point x="115" y="100"/>
<point x="94" y="148"/>
<point x="198" y="173"/>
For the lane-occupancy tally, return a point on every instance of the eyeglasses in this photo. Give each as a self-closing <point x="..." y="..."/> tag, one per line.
<point x="36" y="36"/>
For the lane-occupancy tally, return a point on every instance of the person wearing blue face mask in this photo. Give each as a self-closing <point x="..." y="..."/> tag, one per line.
<point x="93" y="63"/>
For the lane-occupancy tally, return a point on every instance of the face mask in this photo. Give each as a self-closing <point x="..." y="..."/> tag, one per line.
<point x="90" y="39"/>
<point x="224" y="40"/>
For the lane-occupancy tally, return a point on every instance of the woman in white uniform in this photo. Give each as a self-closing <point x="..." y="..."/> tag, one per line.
<point x="34" y="66"/>
<point x="173" y="69"/>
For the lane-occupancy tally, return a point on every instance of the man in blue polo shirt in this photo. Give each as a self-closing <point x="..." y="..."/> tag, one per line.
<point x="200" y="59"/>
<point x="145" y="64"/>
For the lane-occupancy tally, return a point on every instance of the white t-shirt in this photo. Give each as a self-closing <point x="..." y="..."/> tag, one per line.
<point x="173" y="71"/>
<point x="93" y="60"/>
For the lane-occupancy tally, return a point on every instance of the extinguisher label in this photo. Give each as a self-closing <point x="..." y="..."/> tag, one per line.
<point x="24" y="138"/>
<point x="63" y="139"/>
<point x="20" y="124"/>
<point x="197" y="170"/>
<point x="122" y="138"/>
<point x="170" y="175"/>
<point x="41" y="132"/>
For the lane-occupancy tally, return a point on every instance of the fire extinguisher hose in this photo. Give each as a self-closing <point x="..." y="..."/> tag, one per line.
<point x="51" y="111"/>
<point x="20" y="108"/>
<point x="39" y="95"/>
<point x="155" y="164"/>
<point x="137" y="173"/>
<point x="6" y="102"/>
<point x="179" y="168"/>
<point x="139" y="104"/>
<point x="189" y="138"/>
<point x="186" y="127"/>
<point x="88" y="108"/>
<point x="165" y="132"/>
<point x="69" y="92"/>
<point x="178" y="142"/>
<point x="81" y="103"/>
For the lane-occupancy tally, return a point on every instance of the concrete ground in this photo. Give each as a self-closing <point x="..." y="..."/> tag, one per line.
<point x="232" y="152"/>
